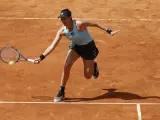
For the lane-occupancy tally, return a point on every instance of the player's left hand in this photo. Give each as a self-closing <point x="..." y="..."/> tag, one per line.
<point x="115" y="32"/>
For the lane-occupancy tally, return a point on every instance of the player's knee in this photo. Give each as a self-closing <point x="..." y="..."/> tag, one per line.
<point x="67" y="66"/>
<point x="87" y="75"/>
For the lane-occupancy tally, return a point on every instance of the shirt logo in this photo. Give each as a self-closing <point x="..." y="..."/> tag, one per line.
<point x="72" y="33"/>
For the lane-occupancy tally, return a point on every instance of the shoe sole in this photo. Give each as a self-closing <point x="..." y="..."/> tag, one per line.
<point x="57" y="99"/>
<point x="97" y="69"/>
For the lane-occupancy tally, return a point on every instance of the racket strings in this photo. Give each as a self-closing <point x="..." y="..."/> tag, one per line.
<point x="9" y="54"/>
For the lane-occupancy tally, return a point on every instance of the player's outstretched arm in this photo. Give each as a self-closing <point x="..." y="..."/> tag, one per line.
<point x="103" y="27"/>
<point x="52" y="46"/>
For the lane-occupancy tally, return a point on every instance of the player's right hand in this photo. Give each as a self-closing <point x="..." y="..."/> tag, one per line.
<point x="37" y="61"/>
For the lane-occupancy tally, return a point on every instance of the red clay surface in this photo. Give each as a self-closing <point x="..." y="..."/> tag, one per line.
<point x="129" y="62"/>
<point x="150" y="112"/>
<point x="68" y="112"/>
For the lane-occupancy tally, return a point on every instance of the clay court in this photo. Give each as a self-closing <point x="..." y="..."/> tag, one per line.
<point x="128" y="87"/>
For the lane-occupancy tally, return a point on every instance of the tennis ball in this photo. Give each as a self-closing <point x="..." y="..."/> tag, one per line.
<point x="11" y="62"/>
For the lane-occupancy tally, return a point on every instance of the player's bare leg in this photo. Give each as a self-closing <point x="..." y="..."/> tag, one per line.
<point x="72" y="56"/>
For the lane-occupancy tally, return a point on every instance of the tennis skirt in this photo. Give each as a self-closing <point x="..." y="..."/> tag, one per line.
<point x="87" y="52"/>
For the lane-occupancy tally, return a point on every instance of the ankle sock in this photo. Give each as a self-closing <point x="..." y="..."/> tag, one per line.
<point x="62" y="88"/>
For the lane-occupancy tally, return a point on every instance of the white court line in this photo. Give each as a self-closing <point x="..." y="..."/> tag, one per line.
<point x="100" y="19"/>
<point x="77" y="103"/>
<point x="139" y="112"/>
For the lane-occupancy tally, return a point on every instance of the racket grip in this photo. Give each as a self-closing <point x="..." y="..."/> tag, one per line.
<point x="30" y="60"/>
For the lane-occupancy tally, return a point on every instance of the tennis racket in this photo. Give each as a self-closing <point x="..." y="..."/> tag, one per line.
<point x="9" y="53"/>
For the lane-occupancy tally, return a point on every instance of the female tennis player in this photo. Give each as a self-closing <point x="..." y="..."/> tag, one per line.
<point x="82" y="45"/>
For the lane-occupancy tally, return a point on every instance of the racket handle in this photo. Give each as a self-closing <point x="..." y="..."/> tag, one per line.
<point x="30" y="60"/>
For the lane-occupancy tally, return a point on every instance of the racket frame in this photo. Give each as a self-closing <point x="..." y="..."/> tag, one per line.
<point x="19" y="55"/>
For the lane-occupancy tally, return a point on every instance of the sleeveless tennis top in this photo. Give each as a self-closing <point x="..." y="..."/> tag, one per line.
<point x="78" y="38"/>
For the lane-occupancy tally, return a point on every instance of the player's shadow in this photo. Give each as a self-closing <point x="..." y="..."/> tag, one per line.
<point x="111" y="93"/>
<point x="42" y="97"/>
